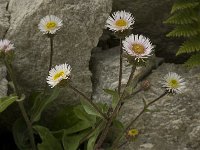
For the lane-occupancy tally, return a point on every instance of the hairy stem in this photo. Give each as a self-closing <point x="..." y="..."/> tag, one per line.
<point x="50" y="59"/>
<point x="51" y="53"/>
<point x="89" y="100"/>
<point x="115" y="112"/>
<point x="21" y="105"/>
<point x="120" y="68"/>
<point x="115" y="143"/>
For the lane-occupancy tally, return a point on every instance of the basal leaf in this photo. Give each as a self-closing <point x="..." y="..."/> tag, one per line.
<point x="20" y="134"/>
<point x="49" y="142"/>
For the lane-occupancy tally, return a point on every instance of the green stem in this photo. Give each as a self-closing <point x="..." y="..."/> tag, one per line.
<point x="115" y="143"/>
<point x="50" y="60"/>
<point x="120" y="68"/>
<point x="51" y="52"/>
<point x="115" y="112"/>
<point x="12" y="77"/>
<point x="21" y="105"/>
<point x="29" y="125"/>
<point x="89" y="100"/>
<point x="99" y="123"/>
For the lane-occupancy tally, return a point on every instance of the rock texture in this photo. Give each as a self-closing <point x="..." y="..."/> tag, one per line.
<point x="173" y="123"/>
<point x="149" y="16"/>
<point x="3" y="81"/>
<point x="105" y="68"/>
<point x="83" y="23"/>
<point x="4" y="18"/>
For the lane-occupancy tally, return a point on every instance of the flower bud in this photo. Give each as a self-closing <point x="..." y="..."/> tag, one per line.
<point x="145" y="85"/>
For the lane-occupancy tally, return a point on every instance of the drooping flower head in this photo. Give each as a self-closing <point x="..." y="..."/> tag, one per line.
<point x="173" y="83"/>
<point x="6" y="46"/>
<point x="58" y="73"/>
<point x="138" y="46"/>
<point x="120" y="21"/>
<point x="50" y="24"/>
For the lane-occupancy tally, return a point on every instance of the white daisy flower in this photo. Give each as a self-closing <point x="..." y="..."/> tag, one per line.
<point x="6" y="46"/>
<point x="50" y="24"/>
<point x="58" y="73"/>
<point x="120" y="21"/>
<point x="138" y="46"/>
<point x="174" y="83"/>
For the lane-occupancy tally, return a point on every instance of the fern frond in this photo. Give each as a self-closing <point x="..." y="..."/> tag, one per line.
<point x="180" y="18"/>
<point x="184" y="31"/>
<point x="184" y="4"/>
<point x="193" y="61"/>
<point x="189" y="46"/>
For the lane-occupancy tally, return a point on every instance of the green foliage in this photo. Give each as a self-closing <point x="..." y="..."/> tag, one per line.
<point x="41" y="103"/>
<point x="91" y="110"/>
<point x="20" y="134"/>
<point x="194" y="60"/>
<point x="71" y="126"/>
<point x="93" y="138"/>
<point x="115" y="97"/>
<point x="186" y="18"/>
<point x="49" y="142"/>
<point x="6" y="101"/>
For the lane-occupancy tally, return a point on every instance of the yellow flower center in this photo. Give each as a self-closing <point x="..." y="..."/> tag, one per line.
<point x="121" y="23"/>
<point x="51" y="25"/>
<point x="138" y="49"/>
<point x="133" y="132"/>
<point x="58" y="75"/>
<point x="174" y="83"/>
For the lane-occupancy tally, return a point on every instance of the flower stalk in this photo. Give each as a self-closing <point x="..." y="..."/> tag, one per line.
<point x="89" y="100"/>
<point x="115" y="143"/>
<point x="115" y="112"/>
<point x="51" y="52"/>
<point x="120" y="68"/>
<point x="51" y="56"/>
<point x="21" y="105"/>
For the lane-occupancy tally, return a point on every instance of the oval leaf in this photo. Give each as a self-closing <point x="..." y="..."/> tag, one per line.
<point x="6" y="101"/>
<point x="49" y="142"/>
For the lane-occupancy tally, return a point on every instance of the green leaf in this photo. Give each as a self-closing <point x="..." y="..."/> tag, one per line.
<point x="115" y="97"/>
<point x="93" y="138"/>
<point x="71" y="142"/>
<point x="79" y="126"/>
<point x="180" y="18"/>
<point x="118" y="125"/>
<point x="41" y="103"/>
<point x="89" y="108"/>
<point x="189" y="46"/>
<point x="64" y="119"/>
<point x="83" y="115"/>
<point x="184" y="4"/>
<point x="184" y="31"/>
<point x="20" y="134"/>
<point x="103" y="107"/>
<point x="72" y="121"/>
<point x="193" y="61"/>
<point x="49" y="142"/>
<point x="6" y="101"/>
<point x="118" y="129"/>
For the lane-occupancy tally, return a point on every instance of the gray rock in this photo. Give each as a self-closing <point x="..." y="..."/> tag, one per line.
<point x="105" y="68"/>
<point x="83" y="23"/>
<point x="173" y="123"/>
<point x="3" y="81"/>
<point x="4" y="18"/>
